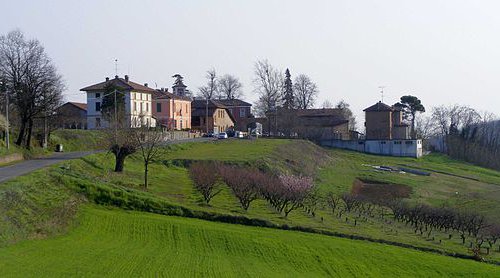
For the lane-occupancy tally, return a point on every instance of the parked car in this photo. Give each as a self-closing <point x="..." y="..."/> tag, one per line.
<point x="210" y="134"/>
<point x="239" y="134"/>
<point x="222" y="135"/>
<point x="256" y="133"/>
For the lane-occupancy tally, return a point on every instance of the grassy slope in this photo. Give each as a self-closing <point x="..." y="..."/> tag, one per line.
<point x="173" y="184"/>
<point x="437" y="189"/>
<point x="139" y="244"/>
<point x="77" y="139"/>
<point x="34" y="206"/>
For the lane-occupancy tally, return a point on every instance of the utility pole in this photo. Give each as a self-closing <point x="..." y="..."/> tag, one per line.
<point x="206" y="119"/>
<point x="4" y="88"/>
<point x="116" y="120"/>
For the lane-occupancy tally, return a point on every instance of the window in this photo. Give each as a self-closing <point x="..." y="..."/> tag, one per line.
<point x="141" y="107"/>
<point x="409" y="142"/>
<point x="382" y="142"/>
<point x="147" y="107"/>
<point x="132" y="96"/>
<point x="97" y="122"/>
<point x="97" y="95"/>
<point x="243" y="112"/>
<point x="135" y="106"/>
<point x="97" y="106"/>
<point x="158" y="107"/>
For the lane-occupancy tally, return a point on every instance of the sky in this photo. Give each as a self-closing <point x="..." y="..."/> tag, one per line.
<point x="444" y="52"/>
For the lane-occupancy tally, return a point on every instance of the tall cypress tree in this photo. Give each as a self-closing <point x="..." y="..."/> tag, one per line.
<point x="288" y="98"/>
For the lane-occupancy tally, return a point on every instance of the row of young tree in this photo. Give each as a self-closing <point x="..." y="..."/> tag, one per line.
<point x="31" y="87"/>
<point x="422" y="218"/>
<point x="284" y="193"/>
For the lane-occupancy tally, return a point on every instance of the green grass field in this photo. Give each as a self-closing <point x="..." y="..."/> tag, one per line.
<point x="40" y="205"/>
<point x="117" y="244"/>
<point x="173" y="184"/>
<point x="480" y="195"/>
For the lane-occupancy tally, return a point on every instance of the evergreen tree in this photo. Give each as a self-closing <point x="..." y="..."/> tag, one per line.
<point x="288" y="98"/>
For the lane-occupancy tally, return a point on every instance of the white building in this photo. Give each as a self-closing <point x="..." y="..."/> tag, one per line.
<point x="138" y="102"/>
<point x="409" y="148"/>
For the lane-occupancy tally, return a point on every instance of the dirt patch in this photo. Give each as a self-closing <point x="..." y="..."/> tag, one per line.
<point x="377" y="191"/>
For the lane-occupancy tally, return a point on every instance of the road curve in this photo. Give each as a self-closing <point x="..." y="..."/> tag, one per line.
<point x="25" y="167"/>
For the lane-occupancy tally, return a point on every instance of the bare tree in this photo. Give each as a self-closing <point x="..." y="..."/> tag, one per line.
<point x="243" y="183"/>
<point x="229" y="87"/>
<point x="305" y="90"/>
<point x="327" y="104"/>
<point x="205" y="178"/>
<point x="148" y="140"/>
<point x="333" y="201"/>
<point x="268" y="84"/>
<point x="425" y="127"/>
<point x="122" y="143"/>
<point x="209" y="91"/>
<point x="31" y="79"/>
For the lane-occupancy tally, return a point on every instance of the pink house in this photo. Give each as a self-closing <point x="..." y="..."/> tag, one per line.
<point x="172" y="111"/>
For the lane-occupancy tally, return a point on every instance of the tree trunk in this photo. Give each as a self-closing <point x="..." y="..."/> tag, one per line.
<point x="146" y="174"/>
<point x="29" y="133"/>
<point x="20" y="137"/>
<point x="413" y="135"/>
<point x="119" y="161"/>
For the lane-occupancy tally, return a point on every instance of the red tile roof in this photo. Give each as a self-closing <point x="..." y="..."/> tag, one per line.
<point x="167" y="95"/>
<point x="379" y="106"/>
<point x="121" y="84"/>
<point x="80" y="105"/>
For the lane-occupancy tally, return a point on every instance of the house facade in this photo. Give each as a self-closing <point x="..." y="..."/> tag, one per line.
<point x="72" y="115"/>
<point x="241" y="112"/>
<point x="172" y="111"/>
<point x="137" y="102"/>
<point x="314" y="124"/>
<point x="219" y="118"/>
<point x="384" y="122"/>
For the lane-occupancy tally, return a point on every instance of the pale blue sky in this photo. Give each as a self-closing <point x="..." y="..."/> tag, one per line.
<point x="445" y="52"/>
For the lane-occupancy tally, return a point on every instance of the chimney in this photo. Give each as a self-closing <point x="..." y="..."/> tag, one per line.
<point x="145" y="84"/>
<point x="126" y="78"/>
<point x="107" y="79"/>
<point x="116" y="76"/>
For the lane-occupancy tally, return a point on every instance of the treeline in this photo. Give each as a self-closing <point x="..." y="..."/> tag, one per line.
<point x="30" y="86"/>
<point x="463" y="133"/>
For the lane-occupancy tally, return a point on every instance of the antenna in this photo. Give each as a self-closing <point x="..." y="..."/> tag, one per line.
<point x="382" y="92"/>
<point x="116" y="66"/>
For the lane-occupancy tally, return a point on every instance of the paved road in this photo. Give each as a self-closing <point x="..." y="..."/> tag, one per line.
<point x="22" y="168"/>
<point x="25" y="167"/>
